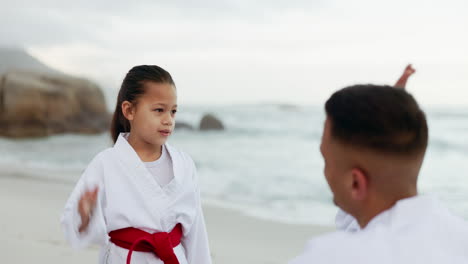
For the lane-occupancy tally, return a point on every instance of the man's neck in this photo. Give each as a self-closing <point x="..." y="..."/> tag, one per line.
<point x="379" y="205"/>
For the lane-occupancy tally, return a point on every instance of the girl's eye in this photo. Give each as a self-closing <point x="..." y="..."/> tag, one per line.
<point x="174" y="111"/>
<point x="160" y="110"/>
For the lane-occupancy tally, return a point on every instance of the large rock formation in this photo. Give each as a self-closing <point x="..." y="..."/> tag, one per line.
<point x="36" y="104"/>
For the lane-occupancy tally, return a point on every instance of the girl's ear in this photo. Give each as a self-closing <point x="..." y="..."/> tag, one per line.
<point x="360" y="184"/>
<point x="128" y="110"/>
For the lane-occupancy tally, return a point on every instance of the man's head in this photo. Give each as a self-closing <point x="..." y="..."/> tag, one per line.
<point x="373" y="144"/>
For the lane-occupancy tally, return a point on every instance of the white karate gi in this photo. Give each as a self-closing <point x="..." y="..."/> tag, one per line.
<point x="129" y="196"/>
<point x="415" y="230"/>
<point x="346" y="222"/>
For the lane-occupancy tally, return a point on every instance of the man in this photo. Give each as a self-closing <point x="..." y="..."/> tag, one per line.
<point x="373" y="144"/>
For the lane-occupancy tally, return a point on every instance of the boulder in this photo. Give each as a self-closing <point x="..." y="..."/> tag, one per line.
<point x="210" y="122"/>
<point x="34" y="104"/>
<point x="182" y="125"/>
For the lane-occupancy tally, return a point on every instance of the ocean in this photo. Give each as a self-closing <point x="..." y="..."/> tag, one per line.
<point x="266" y="163"/>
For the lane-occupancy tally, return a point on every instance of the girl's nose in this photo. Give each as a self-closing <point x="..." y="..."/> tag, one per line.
<point x="168" y="120"/>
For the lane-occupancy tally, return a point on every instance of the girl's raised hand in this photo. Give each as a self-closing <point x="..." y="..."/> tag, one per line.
<point x="86" y="206"/>
<point x="401" y="83"/>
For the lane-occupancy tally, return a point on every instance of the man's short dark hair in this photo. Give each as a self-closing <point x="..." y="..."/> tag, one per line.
<point x="379" y="118"/>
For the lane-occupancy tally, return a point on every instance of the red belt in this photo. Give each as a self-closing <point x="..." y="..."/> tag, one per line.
<point x="161" y="244"/>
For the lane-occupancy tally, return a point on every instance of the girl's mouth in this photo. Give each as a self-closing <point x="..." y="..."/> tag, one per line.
<point x="165" y="133"/>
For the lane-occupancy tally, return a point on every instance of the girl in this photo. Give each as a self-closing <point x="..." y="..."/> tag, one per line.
<point x="139" y="200"/>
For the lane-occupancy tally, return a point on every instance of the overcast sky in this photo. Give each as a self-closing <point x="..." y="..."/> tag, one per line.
<point x="221" y="51"/>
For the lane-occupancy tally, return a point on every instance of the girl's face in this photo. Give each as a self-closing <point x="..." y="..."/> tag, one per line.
<point x="152" y="119"/>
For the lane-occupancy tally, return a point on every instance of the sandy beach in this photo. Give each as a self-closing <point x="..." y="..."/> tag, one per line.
<point x="31" y="210"/>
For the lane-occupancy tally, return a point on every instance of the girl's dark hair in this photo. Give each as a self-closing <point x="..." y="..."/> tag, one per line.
<point x="380" y="118"/>
<point x="133" y="86"/>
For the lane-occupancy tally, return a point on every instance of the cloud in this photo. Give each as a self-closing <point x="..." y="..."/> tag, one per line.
<point x="249" y="50"/>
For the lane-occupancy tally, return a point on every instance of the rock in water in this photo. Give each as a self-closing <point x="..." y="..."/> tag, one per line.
<point x="183" y="125"/>
<point x="210" y="122"/>
<point x="34" y="104"/>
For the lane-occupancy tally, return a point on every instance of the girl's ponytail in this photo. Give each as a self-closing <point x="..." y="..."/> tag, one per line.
<point x="119" y="124"/>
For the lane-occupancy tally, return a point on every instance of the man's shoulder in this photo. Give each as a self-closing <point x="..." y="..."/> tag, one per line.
<point x="333" y="247"/>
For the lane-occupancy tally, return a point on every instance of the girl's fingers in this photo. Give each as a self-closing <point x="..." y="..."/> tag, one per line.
<point x="90" y="194"/>
<point x="96" y="189"/>
<point x="94" y="193"/>
<point x="88" y="201"/>
<point x="86" y="209"/>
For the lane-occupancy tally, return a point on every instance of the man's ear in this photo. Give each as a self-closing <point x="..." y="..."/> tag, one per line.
<point x="128" y="110"/>
<point x="359" y="185"/>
